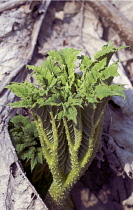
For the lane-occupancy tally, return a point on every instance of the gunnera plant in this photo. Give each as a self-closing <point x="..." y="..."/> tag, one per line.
<point x="68" y="110"/>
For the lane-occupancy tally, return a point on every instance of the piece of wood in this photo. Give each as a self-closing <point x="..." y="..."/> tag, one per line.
<point x="7" y="5"/>
<point x="115" y="19"/>
<point x="18" y="40"/>
<point x="22" y="46"/>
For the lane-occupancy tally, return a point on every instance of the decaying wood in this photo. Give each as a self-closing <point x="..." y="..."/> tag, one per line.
<point x="19" y="32"/>
<point x="10" y="4"/>
<point x="115" y="19"/>
<point x="28" y="42"/>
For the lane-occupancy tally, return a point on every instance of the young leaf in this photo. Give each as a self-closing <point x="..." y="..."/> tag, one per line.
<point x="26" y="140"/>
<point x="68" y="112"/>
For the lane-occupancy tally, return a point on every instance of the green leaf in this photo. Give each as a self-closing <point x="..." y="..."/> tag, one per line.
<point x="70" y="112"/>
<point x="110" y="71"/>
<point x="85" y="64"/>
<point x="117" y="90"/>
<point x="33" y="162"/>
<point x="106" y="49"/>
<point x="21" y="147"/>
<point x="19" y="121"/>
<point x="69" y="56"/>
<point x="24" y="103"/>
<point x="24" y="90"/>
<point x="107" y="52"/>
<point x="55" y="99"/>
<point x="56" y="56"/>
<point x="40" y="158"/>
<point x="103" y="91"/>
<point x="26" y="140"/>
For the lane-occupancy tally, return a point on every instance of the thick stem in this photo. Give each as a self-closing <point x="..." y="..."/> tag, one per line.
<point x="78" y="137"/>
<point x="54" y="165"/>
<point x="52" y="205"/>
<point x="58" y="191"/>
<point x="70" y="143"/>
<point x="45" y="151"/>
<point x="41" y="130"/>
<point x="55" y="132"/>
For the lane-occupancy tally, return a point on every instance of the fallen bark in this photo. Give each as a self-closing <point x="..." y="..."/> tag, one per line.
<point x="27" y="51"/>
<point x="10" y="5"/>
<point x="17" y="47"/>
<point x="115" y="19"/>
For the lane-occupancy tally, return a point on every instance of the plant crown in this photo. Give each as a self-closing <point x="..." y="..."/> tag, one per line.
<point x="68" y="110"/>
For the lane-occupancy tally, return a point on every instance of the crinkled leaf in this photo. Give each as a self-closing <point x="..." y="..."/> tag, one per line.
<point x="55" y="99"/>
<point x="24" y="90"/>
<point x="70" y="112"/>
<point x="24" y="103"/>
<point x="26" y="140"/>
<point x="110" y="71"/>
<point x="69" y="56"/>
<point x="106" y="49"/>
<point x="19" y="121"/>
<point x="85" y="64"/>
<point x="103" y="91"/>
